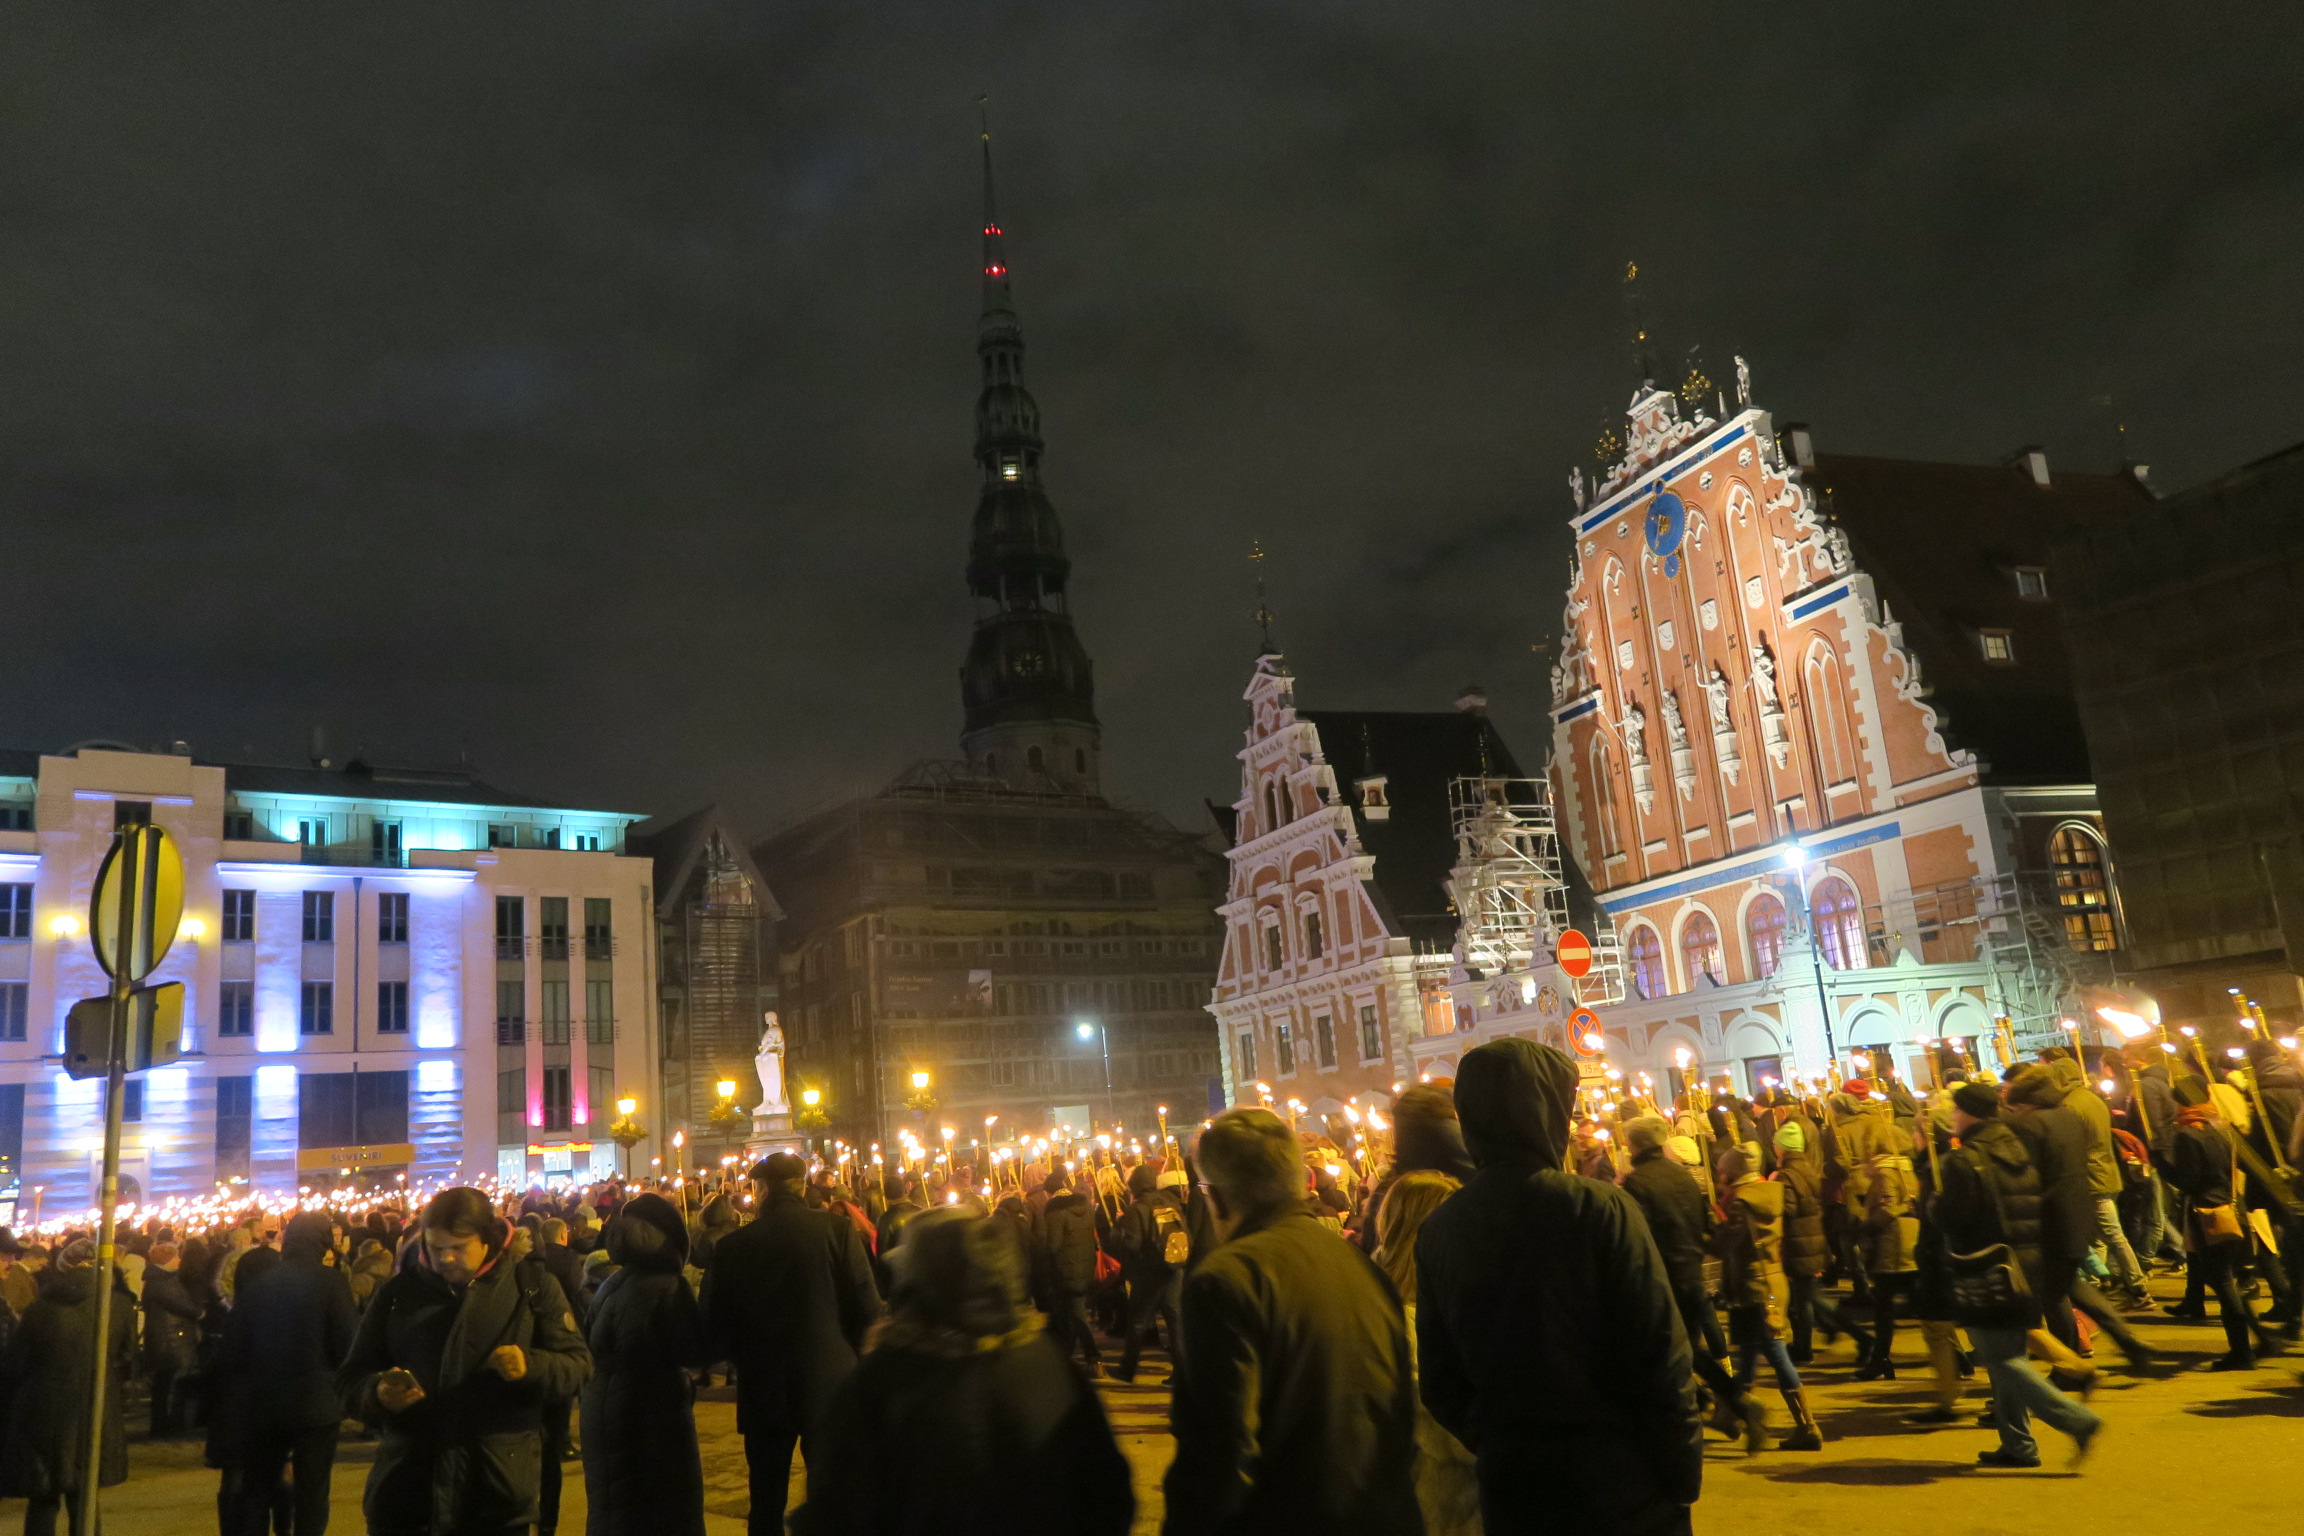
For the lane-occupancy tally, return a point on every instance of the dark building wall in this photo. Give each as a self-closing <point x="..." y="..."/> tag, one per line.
<point x="2186" y="627"/>
<point x="966" y="933"/>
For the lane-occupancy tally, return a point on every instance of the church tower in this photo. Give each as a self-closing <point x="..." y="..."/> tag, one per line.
<point x="1027" y="685"/>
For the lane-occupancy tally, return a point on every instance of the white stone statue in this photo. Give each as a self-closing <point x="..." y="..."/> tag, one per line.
<point x="769" y="1063"/>
<point x="1675" y="727"/>
<point x="1716" y="699"/>
<point x="1575" y="489"/>
<point x="1743" y="382"/>
<point x="1764" y="675"/>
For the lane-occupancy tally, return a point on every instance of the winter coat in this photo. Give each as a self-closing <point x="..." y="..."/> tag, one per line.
<point x="996" y="1437"/>
<point x="276" y="1371"/>
<point x="367" y="1273"/>
<point x="1294" y="1405"/>
<point x="171" y="1324"/>
<point x="1807" y="1251"/>
<point x="2103" y="1159"/>
<point x="787" y="1301"/>
<point x="2156" y="1127"/>
<point x="1750" y="1243"/>
<point x="1547" y="1332"/>
<point x="2056" y="1140"/>
<point x="642" y="1473"/>
<point x="2201" y="1163"/>
<point x="1991" y="1160"/>
<point x="45" y="1375"/>
<point x="1138" y="1242"/>
<point x="565" y="1265"/>
<point x="468" y="1456"/>
<point x="1067" y="1256"/>
<point x="1679" y="1217"/>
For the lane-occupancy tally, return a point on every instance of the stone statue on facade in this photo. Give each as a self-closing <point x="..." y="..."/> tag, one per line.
<point x="1743" y="382"/>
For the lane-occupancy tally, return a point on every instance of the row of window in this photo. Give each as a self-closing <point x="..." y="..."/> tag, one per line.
<point x="1312" y="937"/>
<point x="1285" y="1044"/>
<point x="319" y="914"/>
<point x="558" y="1095"/>
<point x="316" y="1010"/>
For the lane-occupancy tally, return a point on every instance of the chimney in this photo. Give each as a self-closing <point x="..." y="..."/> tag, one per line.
<point x="1472" y="699"/>
<point x="1802" y="442"/>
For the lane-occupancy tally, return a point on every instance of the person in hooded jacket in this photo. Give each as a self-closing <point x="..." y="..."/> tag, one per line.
<point x="1993" y="1194"/>
<point x="276" y="1402"/>
<point x="1548" y="1338"/>
<point x="1881" y="1191"/>
<point x="1065" y="1256"/>
<point x="1807" y="1253"/>
<point x="2204" y="1167"/>
<point x="1750" y="1242"/>
<point x="454" y="1360"/>
<point x="643" y="1475"/>
<point x="1000" y="1436"/>
<point x="2036" y="1106"/>
<point x="45" y="1377"/>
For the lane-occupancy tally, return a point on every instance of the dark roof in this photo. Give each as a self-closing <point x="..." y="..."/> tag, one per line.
<point x="1226" y="819"/>
<point x="1418" y="753"/>
<point x="1942" y="543"/>
<point x="675" y="847"/>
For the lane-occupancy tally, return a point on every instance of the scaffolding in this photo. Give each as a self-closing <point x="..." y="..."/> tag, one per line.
<point x="2014" y="925"/>
<point x="1511" y="901"/>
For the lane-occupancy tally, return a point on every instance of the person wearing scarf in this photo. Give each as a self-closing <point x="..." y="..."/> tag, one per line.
<point x="2203" y="1165"/>
<point x="455" y="1358"/>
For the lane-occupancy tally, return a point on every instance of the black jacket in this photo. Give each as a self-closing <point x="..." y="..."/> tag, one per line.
<point x="467" y="1457"/>
<point x="288" y="1334"/>
<point x="1067" y="1257"/>
<point x="171" y="1322"/>
<point x="1137" y="1241"/>
<point x="787" y="1300"/>
<point x="45" y="1376"/>
<point x="1806" y="1251"/>
<point x="2159" y="1114"/>
<point x="2057" y="1142"/>
<point x="566" y="1265"/>
<point x="991" y="1442"/>
<point x="1294" y="1402"/>
<point x="642" y="1473"/>
<point x="1549" y="1339"/>
<point x="2201" y="1163"/>
<point x="1679" y="1217"/>
<point x="1994" y="1194"/>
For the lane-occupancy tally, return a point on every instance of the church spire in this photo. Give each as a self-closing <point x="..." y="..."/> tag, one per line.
<point x="1028" y="685"/>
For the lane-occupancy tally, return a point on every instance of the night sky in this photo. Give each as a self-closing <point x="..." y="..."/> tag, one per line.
<point x="587" y="386"/>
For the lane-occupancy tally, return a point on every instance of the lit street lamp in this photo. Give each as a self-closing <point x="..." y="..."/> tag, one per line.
<point x="1093" y="1029"/>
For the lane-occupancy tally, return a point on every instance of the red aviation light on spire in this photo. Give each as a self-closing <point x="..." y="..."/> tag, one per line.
<point x="995" y="270"/>
<point x="992" y="229"/>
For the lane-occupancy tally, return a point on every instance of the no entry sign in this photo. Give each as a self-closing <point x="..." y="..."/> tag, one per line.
<point x="1574" y="953"/>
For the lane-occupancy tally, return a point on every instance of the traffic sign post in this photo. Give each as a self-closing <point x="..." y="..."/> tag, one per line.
<point x="132" y="918"/>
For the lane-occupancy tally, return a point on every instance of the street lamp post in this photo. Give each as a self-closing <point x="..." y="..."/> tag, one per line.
<point x="1087" y="1029"/>
<point x="1796" y="860"/>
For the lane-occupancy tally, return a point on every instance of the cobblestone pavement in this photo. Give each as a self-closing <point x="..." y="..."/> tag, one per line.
<point x="2184" y="1451"/>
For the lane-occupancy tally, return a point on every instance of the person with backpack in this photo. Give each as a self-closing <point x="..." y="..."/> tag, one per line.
<point x="1882" y="1192"/>
<point x="1153" y="1244"/>
<point x="454" y="1360"/>
<point x="1990" y="1213"/>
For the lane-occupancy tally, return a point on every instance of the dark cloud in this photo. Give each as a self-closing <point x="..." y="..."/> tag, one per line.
<point x="588" y="385"/>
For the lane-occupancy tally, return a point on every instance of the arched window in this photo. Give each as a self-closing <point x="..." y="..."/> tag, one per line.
<point x="1605" y="831"/>
<point x="1273" y="805"/>
<point x="1828" y="717"/>
<point x="1764" y="928"/>
<point x="1312" y="935"/>
<point x="2082" y="889"/>
<point x="1032" y="760"/>
<point x="1700" y="949"/>
<point x="1079" y="765"/>
<point x="1647" y="956"/>
<point x="1275" y="957"/>
<point x="1839" y="921"/>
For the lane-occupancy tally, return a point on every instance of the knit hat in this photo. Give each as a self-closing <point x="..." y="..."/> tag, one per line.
<point x="1791" y="1138"/>
<point x="1645" y="1133"/>
<point x="1857" y="1088"/>
<point x="1684" y="1151"/>
<point x="1737" y="1162"/>
<point x="1977" y="1100"/>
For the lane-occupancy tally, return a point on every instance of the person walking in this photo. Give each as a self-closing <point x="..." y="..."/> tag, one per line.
<point x="45" y="1377"/>
<point x="787" y="1302"/>
<point x="1153" y="1243"/>
<point x="1294" y="1405"/>
<point x="2105" y="1184"/>
<point x="1882" y="1194"/>
<point x="171" y="1338"/>
<point x="1991" y="1212"/>
<point x="1000" y="1436"/>
<point x="1750" y="1242"/>
<point x="1548" y="1338"/>
<point x="1807" y="1253"/>
<point x="643" y="1475"/>
<point x="276" y="1403"/>
<point x="2203" y="1165"/>
<point x="1065" y="1254"/>
<point x="1447" y="1484"/>
<point x="453" y="1361"/>
<point x="1680" y="1220"/>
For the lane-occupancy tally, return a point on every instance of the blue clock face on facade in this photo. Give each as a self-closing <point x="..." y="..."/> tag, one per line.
<point x="1667" y="524"/>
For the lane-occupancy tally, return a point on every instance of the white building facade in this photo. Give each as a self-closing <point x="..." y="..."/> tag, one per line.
<point x="386" y="973"/>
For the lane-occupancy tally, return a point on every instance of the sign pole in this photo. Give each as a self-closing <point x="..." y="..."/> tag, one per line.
<point x="136" y="873"/>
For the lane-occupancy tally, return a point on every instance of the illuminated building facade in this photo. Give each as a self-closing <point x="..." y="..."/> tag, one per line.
<point x="1339" y="922"/>
<point x="1816" y="750"/>
<point x="386" y="971"/>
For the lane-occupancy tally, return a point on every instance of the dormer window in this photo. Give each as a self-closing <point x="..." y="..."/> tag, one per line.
<point x="1009" y="469"/>
<point x="1998" y="646"/>
<point x="1373" y="804"/>
<point x="2032" y="583"/>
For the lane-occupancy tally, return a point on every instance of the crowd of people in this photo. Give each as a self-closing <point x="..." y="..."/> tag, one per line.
<point x="1530" y="1318"/>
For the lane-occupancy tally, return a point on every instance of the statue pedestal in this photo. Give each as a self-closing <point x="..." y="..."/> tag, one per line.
<point x="774" y="1133"/>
